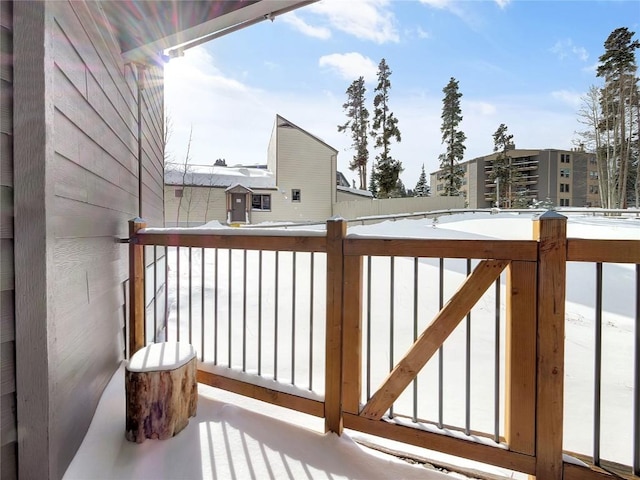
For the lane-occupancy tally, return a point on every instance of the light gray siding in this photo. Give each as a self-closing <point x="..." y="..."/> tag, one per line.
<point x="8" y="438"/>
<point x="77" y="143"/>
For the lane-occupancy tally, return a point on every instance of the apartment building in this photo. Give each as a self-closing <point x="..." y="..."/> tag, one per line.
<point x="568" y="178"/>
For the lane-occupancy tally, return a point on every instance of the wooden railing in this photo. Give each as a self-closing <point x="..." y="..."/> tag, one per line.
<point x="535" y="320"/>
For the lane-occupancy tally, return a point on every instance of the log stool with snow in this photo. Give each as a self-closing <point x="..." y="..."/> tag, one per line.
<point x="161" y="391"/>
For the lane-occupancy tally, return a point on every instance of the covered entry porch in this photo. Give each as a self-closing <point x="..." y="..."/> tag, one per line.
<point x="238" y="204"/>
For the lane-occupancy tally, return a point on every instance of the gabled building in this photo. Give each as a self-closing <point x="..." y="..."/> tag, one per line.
<point x="299" y="183"/>
<point x="568" y="178"/>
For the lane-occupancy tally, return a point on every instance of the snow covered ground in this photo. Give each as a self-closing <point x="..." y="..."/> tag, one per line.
<point x="221" y="440"/>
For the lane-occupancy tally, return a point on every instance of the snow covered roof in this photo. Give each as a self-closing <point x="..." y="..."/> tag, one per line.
<point x="355" y="191"/>
<point x="218" y="176"/>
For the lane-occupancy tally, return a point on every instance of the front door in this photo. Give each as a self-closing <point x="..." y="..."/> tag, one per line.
<point x="238" y="207"/>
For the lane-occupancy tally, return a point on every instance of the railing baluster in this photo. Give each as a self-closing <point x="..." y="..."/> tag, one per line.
<point x="190" y="292"/>
<point x="244" y="311"/>
<point x="275" y="322"/>
<point x="441" y="352"/>
<point x="145" y="300"/>
<point x="166" y="293"/>
<point x="368" y="328"/>
<point x="496" y="369"/>
<point x="155" y="293"/>
<point x="177" y="294"/>
<point x="467" y="369"/>
<point x="597" y="372"/>
<point x="311" y="268"/>
<point x="229" y="308"/>
<point x="392" y="273"/>
<point x="215" y="312"/>
<point x="636" y="383"/>
<point x="202" y="279"/>
<point x="293" y="320"/>
<point x="260" y="312"/>
<point x="415" y="333"/>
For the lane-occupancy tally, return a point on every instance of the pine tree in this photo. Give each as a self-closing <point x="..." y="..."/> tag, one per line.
<point x="373" y="183"/>
<point x="422" y="189"/>
<point x="399" y="191"/>
<point x="453" y="138"/>
<point x="358" y="123"/>
<point x="384" y="129"/>
<point x="618" y="68"/>
<point x="504" y="173"/>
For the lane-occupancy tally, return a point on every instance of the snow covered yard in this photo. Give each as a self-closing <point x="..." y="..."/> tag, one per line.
<point x="286" y="283"/>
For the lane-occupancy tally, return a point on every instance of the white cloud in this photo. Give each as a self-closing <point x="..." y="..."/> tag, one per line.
<point x="365" y="19"/>
<point x="564" y="48"/>
<point x="573" y="99"/>
<point x="350" y="65"/>
<point x="503" y="3"/>
<point x="422" y="33"/>
<point x="299" y="24"/>
<point x="479" y="107"/>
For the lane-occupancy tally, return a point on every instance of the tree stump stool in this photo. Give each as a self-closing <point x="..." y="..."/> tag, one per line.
<point x="161" y="391"/>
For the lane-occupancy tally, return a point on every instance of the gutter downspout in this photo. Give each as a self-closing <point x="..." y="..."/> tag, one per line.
<point x="140" y="84"/>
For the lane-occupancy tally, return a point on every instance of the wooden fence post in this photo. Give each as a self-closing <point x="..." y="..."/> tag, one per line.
<point x="333" y="420"/>
<point x="551" y="232"/>
<point x="136" y="287"/>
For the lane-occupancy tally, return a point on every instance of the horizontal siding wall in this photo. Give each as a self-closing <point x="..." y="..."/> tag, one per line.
<point x="8" y="422"/>
<point x="91" y="170"/>
<point x="303" y="163"/>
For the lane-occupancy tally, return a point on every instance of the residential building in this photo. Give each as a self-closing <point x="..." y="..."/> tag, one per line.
<point x="568" y="178"/>
<point x="81" y="153"/>
<point x="299" y="183"/>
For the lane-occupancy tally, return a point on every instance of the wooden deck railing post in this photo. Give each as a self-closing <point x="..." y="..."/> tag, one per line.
<point x="352" y="334"/>
<point x="136" y="287"/>
<point x="551" y="232"/>
<point x="520" y="358"/>
<point x="336" y="231"/>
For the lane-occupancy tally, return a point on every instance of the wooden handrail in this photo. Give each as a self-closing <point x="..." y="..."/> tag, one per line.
<point x="437" y="248"/>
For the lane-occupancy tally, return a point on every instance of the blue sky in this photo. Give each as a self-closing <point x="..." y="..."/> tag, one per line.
<point x="522" y="63"/>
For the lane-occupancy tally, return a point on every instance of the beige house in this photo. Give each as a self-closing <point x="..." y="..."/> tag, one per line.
<point x="299" y="183"/>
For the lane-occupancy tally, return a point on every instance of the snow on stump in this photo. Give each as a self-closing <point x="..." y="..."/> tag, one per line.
<point x="161" y="391"/>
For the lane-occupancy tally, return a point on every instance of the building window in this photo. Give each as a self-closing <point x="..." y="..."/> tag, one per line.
<point x="564" y="202"/>
<point x="565" y="158"/>
<point x="295" y="195"/>
<point x="593" y="189"/>
<point x="440" y="187"/>
<point x="565" y="172"/>
<point x="564" y="187"/>
<point x="593" y="174"/>
<point x="261" y="202"/>
<point x="593" y="161"/>
<point x="178" y="192"/>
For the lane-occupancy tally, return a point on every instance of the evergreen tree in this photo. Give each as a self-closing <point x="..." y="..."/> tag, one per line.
<point x="504" y="173"/>
<point x="384" y="129"/>
<point x="453" y="138"/>
<point x="620" y="92"/>
<point x="422" y="189"/>
<point x="399" y="191"/>
<point x="373" y="183"/>
<point x="358" y="123"/>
